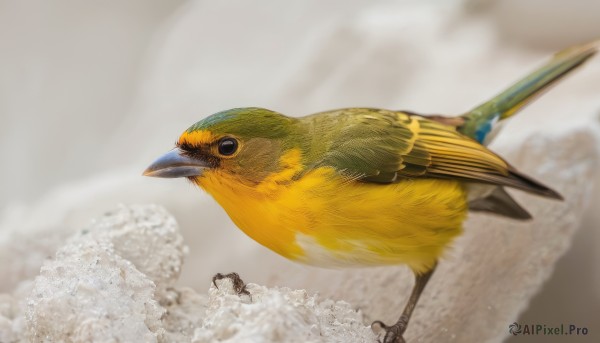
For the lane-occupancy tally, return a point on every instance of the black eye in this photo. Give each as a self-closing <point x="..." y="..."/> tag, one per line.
<point x="227" y="146"/>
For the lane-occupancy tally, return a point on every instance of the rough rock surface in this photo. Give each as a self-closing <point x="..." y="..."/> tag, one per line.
<point x="113" y="282"/>
<point x="278" y="315"/>
<point x="102" y="284"/>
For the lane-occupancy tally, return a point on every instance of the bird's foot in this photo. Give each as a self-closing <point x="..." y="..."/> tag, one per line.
<point x="393" y="333"/>
<point x="238" y="284"/>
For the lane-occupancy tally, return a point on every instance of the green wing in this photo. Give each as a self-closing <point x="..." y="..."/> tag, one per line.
<point x="382" y="146"/>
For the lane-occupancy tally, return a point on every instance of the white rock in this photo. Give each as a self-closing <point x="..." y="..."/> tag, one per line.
<point x="150" y="239"/>
<point x="113" y="282"/>
<point x="7" y="332"/>
<point x="278" y="315"/>
<point x="90" y="292"/>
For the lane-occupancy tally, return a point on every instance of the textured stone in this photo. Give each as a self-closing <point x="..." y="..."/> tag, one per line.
<point x="91" y="292"/>
<point x="114" y="282"/>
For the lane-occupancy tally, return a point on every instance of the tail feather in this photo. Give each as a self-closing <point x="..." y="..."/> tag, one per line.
<point x="501" y="203"/>
<point x="479" y="121"/>
<point x="528" y="184"/>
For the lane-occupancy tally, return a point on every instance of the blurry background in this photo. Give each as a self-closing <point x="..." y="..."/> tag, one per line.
<point x="92" y="92"/>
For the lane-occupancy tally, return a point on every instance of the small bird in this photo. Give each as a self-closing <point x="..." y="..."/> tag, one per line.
<point x="362" y="186"/>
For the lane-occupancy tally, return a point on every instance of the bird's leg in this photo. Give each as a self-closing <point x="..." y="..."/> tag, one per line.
<point x="238" y="284"/>
<point x="393" y="333"/>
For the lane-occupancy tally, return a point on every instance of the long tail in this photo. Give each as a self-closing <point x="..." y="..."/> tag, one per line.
<point x="478" y="122"/>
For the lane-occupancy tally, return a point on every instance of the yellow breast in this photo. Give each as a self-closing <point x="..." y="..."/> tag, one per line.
<point x="327" y="220"/>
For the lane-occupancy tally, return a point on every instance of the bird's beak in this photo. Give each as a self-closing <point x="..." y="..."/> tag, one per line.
<point x="176" y="164"/>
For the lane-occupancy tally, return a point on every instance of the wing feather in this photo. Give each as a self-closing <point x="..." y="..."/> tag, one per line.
<point x="386" y="147"/>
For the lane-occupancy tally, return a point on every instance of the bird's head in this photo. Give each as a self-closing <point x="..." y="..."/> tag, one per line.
<point x="244" y="142"/>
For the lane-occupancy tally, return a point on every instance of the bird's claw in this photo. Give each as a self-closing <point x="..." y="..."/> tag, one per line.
<point x="238" y="284"/>
<point x="393" y="333"/>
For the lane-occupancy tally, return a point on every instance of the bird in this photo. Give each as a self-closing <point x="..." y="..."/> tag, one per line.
<point x="358" y="187"/>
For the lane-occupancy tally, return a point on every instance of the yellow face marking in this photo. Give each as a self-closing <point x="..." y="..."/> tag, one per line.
<point x="290" y="163"/>
<point x="196" y="137"/>
<point x="262" y="211"/>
